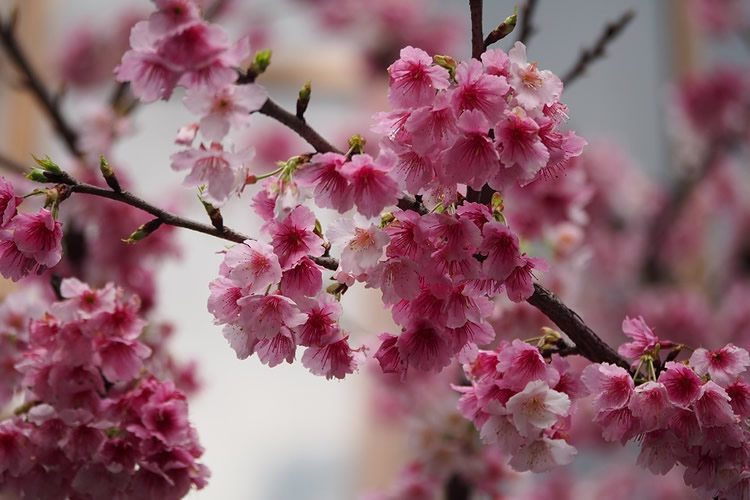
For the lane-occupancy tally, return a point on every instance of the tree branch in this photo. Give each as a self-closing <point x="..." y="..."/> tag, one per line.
<point x="477" y="37"/>
<point x="313" y="138"/>
<point x="589" y="55"/>
<point x="49" y="103"/>
<point x="527" y="17"/>
<point x="588" y="344"/>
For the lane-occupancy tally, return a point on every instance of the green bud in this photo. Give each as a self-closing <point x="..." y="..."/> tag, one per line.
<point x="303" y="99"/>
<point x="356" y="145"/>
<point x="448" y="63"/>
<point x="37" y="175"/>
<point x="261" y="62"/>
<point x="47" y="164"/>
<point x="504" y="29"/>
<point x="109" y="175"/>
<point x="144" y="231"/>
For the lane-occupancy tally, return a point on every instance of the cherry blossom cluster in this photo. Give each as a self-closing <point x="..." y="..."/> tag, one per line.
<point x="494" y="121"/>
<point x="273" y="323"/>
<point x="95" y="423"/>
<point x="29" y="243"/>
<point x="522" y="404"/>
<point x="691" y="413"/>
<point x="175" y="46"/>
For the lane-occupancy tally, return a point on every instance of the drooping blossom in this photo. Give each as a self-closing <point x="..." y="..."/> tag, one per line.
<point x="643" y="338"/>
<point x="229" y="107"/>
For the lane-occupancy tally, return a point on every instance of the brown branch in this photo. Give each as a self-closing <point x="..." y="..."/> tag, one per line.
<point x="313" y="138"/>
<point x="527" y="17"/>
<point x="477" y="37"/>
<point x="588" y="344"/>
<point x="31" y="79"/>
<point x="589" y="55"/>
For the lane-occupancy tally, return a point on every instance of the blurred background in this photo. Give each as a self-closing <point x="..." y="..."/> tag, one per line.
<point x="280" y="433"/>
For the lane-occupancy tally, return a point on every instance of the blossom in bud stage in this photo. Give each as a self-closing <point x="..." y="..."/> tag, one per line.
<point x="723" y="365"/>
<point x="229" y="107"/>
<point x="414" y="80"/>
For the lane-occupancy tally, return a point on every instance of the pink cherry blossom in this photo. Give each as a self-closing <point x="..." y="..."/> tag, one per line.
<point x="712" y="406"/>
<point x="502" y="249"/>
<point x="424" y="345"/>
<point x="397" y="278"/>
<point x="241" y="341"/>
<point x="293" y="238"/>
<point x="537" y="407"/>
<point x="681" y="383"/>
<point x="274" y="350"/>
<point x="618" y="425"/>
<point x="533" y="88"/>
<point x="39" y="236"/>
<point x="643" y="338"/>
<point x="388" y="355"/>
<point x="324" y="173"/>
<point x="500" y="430"/>
<point x="408" y="239"/>
<point x="472" y="157"/>
<point x="723" y="365"/>
<point x="739" y="394"/>
<point x="543" y="455"/>
<point x="432" y="126"/>
<point x="332" y="360"/>
<point x="651" y="405"/>
<point x="414" y="80"/>
<point x="228" y="107"/>
<point x="521" y="363"/>
<point x="521" y="145"/>
<point x="519" y="285"/>
<point x="222" y="172"/>
<point x="8" y="202"/>
<point x="372" y="188"/>
<point x="305" y="279"/>
<point x="496" y="62"/>
<point x="321" y="325"/>
<point x="479" y="91"/>
<point x="362" y="247"/>
<point x="412" y="170"/>
<point x="222" y="302"/>
<point x="253" y="266"/>
<point x="263" y="316"/>
<point x="611" y="384"/>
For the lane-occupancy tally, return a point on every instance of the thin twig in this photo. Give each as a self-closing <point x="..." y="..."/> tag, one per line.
<point x="589" y="55"/>
<point x="527" y="18"/>
<point x="588" y="343"/>
<point x="33" y="82"/>
<point x="313" y="138"/>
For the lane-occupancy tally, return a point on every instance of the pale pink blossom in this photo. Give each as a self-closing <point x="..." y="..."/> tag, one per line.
<point x="712" y="406"/>
<point x="611" y="384"/>
<point x="336" y="359"/>
<point x="537" y="407"/>
<point x="659" y="451"/>
<point x="414" y="80"/>
<point x="361" y="247"/>
<point x="222" y="301"/>
<point x="229" y="107"/>
<point x="222" y="172"/>
<point x="723" y="365"/>
<point x="274" y="350"/>
<point x="500" y="430"/>
<point x="643" y="338"/>
<point x="397" y="278"/>
<point x="186" y="134"/>
<point x="496" y="62"/>
<point x="252" y="265"/>
<point x="263" y="316"/>
<point x="293" y="238"/>
<point x="373" y="188"/>
<point x="542" y="455"/>
<point x="651" y="405"/>
<point x="532" y="88"/>
<point x="82" y="301"/>
<point x="240" y="340"/>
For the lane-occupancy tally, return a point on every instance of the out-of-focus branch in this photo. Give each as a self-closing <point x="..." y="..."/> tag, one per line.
<point x="588" y="344"/>
<point x="591" y="54"/>
<point x="30" y="79"/>
<point x="527" y="19"/>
